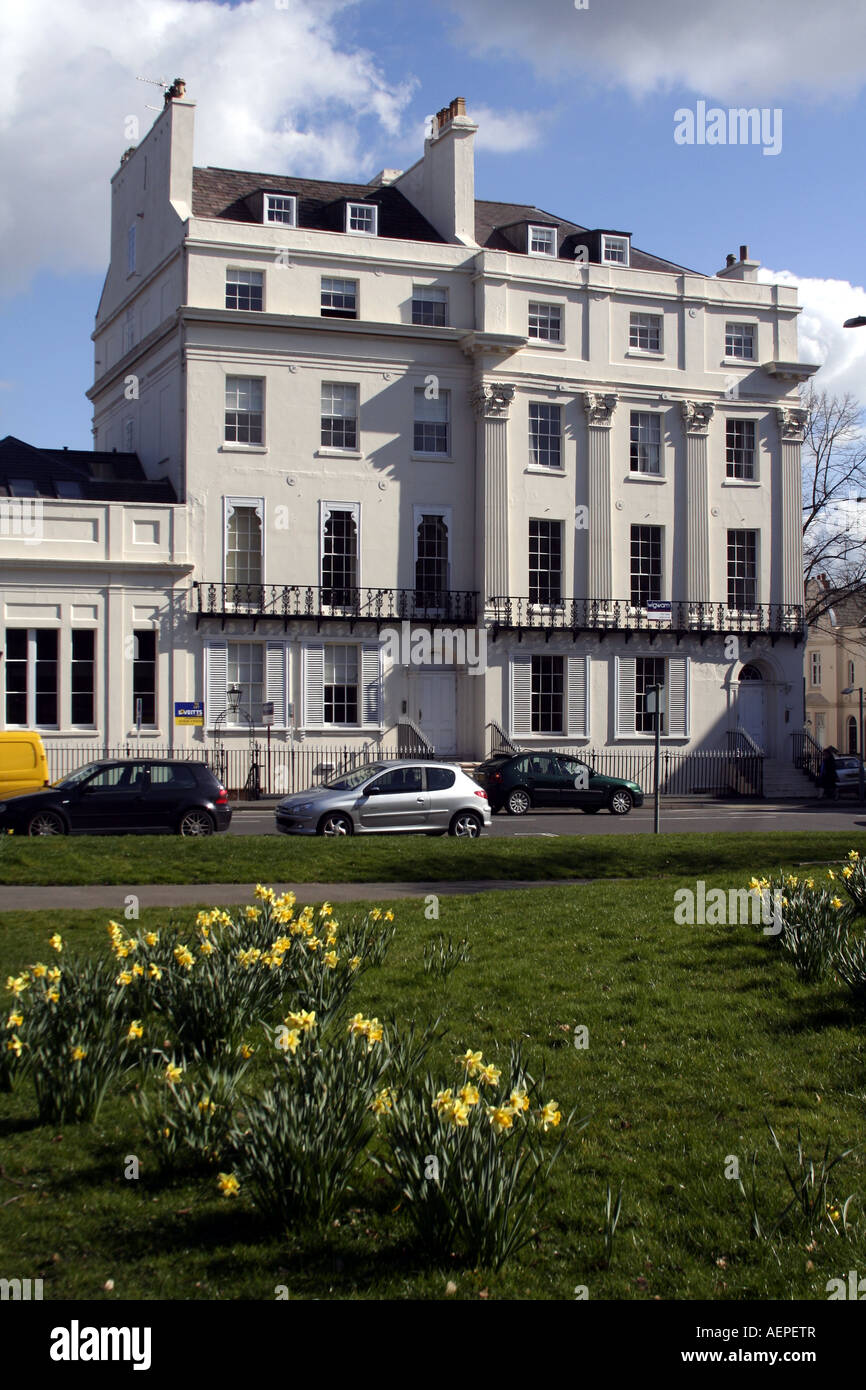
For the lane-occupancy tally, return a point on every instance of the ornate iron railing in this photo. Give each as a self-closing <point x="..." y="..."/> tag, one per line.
<point x="619" y="615"/>
<point x="329" y="603"/>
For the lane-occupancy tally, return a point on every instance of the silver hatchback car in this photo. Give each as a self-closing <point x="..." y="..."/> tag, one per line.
<point x="434" y="798"/>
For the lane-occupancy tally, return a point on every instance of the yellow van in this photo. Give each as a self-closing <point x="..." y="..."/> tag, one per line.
<point x="23" y="764"/>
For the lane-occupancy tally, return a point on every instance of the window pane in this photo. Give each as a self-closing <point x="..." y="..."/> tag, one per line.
<point x="244" y="410"/>
<point x="339" y="415"/>
<point x="649" y="672"/>
<point x="545" y="561"/>
<point x="431" y="563"/>
<point x="645" y="443"/>
<point x="545" y="321"/>
<point x="16" y="675"/>
<point x="545" y="435"/>
<point x="547" y="694"/>
<point x="740" y="340"/>
<point x="740" y="452"/>
<point x="742" y="570"/>
<point x="82" y="676"/>
<point x="362" y="218"/>
<point x="244" y="289"/>
<point x="431" y="422"/>
<point x="46" y="676"/>
<point x="144" y="676"/>
<point x="339" y="298"/>
<point x="243" y="545"/>
<point x="246" y="669"/>
<point x="341" y="685"/>
<point x="542" y="241"/>
<point x="340" y="559"/>
<point x="280" y="209"/>
<point x="646" y="565"/>
<point x="430" y="306"/>
<point x="645" y="332"/>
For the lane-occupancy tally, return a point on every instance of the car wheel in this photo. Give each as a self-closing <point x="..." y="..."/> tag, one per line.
<point x="589" y="810"/>
<point x="46" y="823"/>
<point x="621" y="803"/>
<point x="195" y="822"/>
<point x="335" y="824"/>
<point x="466" y="825"/>
<point x="517" y="803"/>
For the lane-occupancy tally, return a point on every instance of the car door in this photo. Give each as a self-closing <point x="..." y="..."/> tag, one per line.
<point x="579" y="786"/>
<point x="396" y="800"/>
<point x="545" y="779"/>
<point x="440" y="789"/>
<point x="112" y="799"/>
<point x="170" y="789"/>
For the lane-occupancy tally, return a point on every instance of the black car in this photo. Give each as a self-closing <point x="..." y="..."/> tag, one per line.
<point x="521" y="781"/>
<point x="125" y="794"/>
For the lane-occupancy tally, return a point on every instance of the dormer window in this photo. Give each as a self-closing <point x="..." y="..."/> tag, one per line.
<point x="281" y="208"/>
<point x="362" y="219"/>
<point x="614" y="250"/>
<point x="542" y="241"/>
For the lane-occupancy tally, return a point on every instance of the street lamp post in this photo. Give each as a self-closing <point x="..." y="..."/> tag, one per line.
<point x="849" y="690"/>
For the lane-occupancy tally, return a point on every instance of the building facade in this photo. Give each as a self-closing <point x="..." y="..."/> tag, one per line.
<point x="447" y="467"/>
<point x="835" y="663"/>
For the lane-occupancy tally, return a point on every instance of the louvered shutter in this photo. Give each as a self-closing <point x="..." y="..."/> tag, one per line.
<point x="275" y="680"/>
<point x="314" y="686"/>
<point x="371" y="681"/>
<point x="625" y="679"/>
<point x="216" y="679"/>
<point x="578" y="696"/>
<point x="521" y="694"/>
<point x="678" y="696"/>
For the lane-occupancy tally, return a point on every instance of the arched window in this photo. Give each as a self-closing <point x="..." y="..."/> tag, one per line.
<point x="852" y="734"/>
<point x="431" y="561"/>
<point x="750" y="673"/>
<point x="340" y="558"/>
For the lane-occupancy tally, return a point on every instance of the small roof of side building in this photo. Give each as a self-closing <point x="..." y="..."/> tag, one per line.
<point x="77" y="475"/>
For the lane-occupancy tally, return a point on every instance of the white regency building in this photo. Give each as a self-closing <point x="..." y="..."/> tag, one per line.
<point x="391" y="407"/>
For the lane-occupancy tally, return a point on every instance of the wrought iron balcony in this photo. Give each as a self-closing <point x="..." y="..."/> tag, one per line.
<point x="327" y="603"/>
<point x="683" y="618"/>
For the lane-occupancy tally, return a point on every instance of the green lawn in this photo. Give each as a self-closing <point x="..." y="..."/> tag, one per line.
<point x="386" y="858"/>
<point x="695" y="1035"/>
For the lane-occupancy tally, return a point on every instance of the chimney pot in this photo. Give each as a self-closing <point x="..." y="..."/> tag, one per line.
<point x="460" y="103"/>
<point x="744" y="253"/>
<point x="730" y="259"/>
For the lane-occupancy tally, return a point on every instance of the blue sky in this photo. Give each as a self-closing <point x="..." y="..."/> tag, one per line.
<point x="576" y="112"/>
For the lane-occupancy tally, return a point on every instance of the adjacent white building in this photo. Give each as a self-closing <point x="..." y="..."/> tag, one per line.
<point x="562" y="469"/>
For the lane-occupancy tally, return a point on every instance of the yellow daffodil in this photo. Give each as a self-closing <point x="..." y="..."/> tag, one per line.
<point x="469" y="1094"/>
<point x="382" y="1102"/>
<point x="459" y="1113"/>
<point x="443" y="1101"/>
<point x="847" y="871"/>
<point x="55" y="974"/>
<point x="330" y="958"/>
<point x="810" y="883"/>
<point x="490" y="1074"/>
<point x="518" y="1101"/>
<point x="183" y="955"/>
<point x="837" y="903"/>
<point x="228" y="1184"/>
<point x="173" y="1073"/>
<point x="289" y="1040"/>
<point x="303" y="1019"/>
<point x="550" y="1115"/>
<point x="207" y="948"/>
<point x="265" y="895"/>
<point x="14" y="1020"/>
<point x="138" y="970"/>
<point x="135" y="1030"/>
<point x="374" y="1031"/>
<point x="151" y="938"/>
<point x="79" y="1053"/>
<point x="313" y="943"/>
<point x="206" y="1106"/>
<point x="124" y="978"/>
<point x="853" y="855"/>
<point x="246" y="1051"/>
<point x="14" y="1045"/>
<point x="389" y="916"/>
<point x="56" y="941"/>
<point x="376" y="914"/>
<point x="830" y="874"/>
<point x="326" y="910"/>
<point x="252" y="914"/>
<point x="154" y="972"/>
<point x="39" y="970"/>
<point x="354" y="962"/>
<point x="472" y="1061"/>
<point x="17" y="984"/>
<point x="500" y="1116"/>
<point x="52" y="995"/>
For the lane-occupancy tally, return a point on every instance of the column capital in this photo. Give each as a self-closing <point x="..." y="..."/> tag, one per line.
<point x="491" y="399"/>
<point x="697" y="416"/>
<point x="599" y="408"/>
<point x="792" y="423"/>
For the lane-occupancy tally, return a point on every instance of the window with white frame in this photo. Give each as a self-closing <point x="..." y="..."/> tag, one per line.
<point x="339" y="556"/>
<point x="362" y="218"/>
<point x="815" y="668"/>
<point x="245" y="289"/>
<point x="245" y="414"/>
<point x="281" y="208"/>
<point x="742" y="570"/>
<point x="545" y="435"/>
<point x="31" y="677"/>
<point x="645" y="332"/>
<point x="740" y="448"/>
<point x="545" y="322"/>
<point x="339" y="415"/>
<point x="144" y="676"/>
<point x="246" y="668"/>
<point x="649" y="671"/>
<point x="646" y="565"/>
<point x="646" y="440"/>
<point x="432" y="422"/>
<point x="429" y="306"/>
<point x="614" y="250"/>
<point x="339" y="298"/>
<point x="547" y="692"/>
<point x="341" y="685"/>
<point x="542" y="241"/>
<point x="130" y="250"/>
<point x="740" y="340"/>
<point x="82" y="677"/>
<point x="244" y="540"/>
<point x="129" y="330"/>
<point x="431" y="559"/>
<point x="545" y="561"/>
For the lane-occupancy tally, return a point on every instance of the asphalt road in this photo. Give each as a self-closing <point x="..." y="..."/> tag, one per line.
<point x="703" y="817"/>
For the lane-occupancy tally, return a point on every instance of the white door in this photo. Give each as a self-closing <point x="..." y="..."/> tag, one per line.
<point x="434" y="709"/>
<point x="751" y="710"/>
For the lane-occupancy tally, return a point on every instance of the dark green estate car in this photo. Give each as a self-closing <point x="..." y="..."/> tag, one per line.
<point x="522" y="781"/>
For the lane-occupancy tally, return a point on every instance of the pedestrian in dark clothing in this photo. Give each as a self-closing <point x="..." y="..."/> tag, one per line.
<point x="829" y="776"/>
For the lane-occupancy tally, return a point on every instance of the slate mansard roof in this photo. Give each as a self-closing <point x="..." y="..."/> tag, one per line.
<point x="229" y="194"/>
<point x="76" y="475"/>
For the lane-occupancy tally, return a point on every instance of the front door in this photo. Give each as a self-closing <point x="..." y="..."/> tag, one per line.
<point x="751" y="710"/>
<point x="434" y="709"/>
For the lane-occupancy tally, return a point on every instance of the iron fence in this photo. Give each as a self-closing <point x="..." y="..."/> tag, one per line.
<point x="704" y="772"/>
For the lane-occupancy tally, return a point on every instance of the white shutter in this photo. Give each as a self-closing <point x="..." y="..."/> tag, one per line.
<point x="216" y="680"/>
<point x="371" y="681"/>
<point x="314" y="686"/>
<point x="678" y="696"/>
<point x="521" y="694"/>
<point x="578" y="696"/>
<point x="275" y="680"/>
<point x="624" y="695"/>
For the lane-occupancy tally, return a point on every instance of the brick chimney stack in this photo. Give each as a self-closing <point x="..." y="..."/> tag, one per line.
<point x="442" y="184"/>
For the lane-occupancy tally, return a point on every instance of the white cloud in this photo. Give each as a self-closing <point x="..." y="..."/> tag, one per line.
<point x="841" y="352"/>
<point x="737" y="50"/>
<point x="505" y="132"/>
<point x="276" y="91"/>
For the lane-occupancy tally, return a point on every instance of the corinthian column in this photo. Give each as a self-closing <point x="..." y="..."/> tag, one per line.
<point x="491" y="401"/>
<point x="792" y="428"/>
<point x="599" y="416"/>
<point x="696" y="418"/>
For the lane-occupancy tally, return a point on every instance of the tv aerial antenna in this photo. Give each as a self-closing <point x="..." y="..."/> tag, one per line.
<point x="154" y="82"/>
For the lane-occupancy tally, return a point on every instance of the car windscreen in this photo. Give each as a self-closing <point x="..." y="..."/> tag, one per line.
<point x="348" y="780"/>
<point x="72" y="779"/>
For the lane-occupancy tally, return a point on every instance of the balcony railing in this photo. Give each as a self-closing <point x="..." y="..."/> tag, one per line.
<point x="327" y="603"/>
<point x="681" y="617"/>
